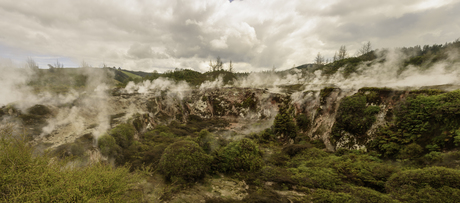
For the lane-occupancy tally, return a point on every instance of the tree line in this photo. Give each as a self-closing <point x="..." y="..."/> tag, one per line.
<point x="342" y="54"/>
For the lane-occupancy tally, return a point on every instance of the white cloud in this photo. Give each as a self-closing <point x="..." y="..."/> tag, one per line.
<point x="255" y="35"/>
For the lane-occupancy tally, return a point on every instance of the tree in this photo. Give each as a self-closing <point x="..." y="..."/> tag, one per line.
<point x="335" y="58"/>
<point x="84" y="64"/>
<point x="230" y="66"/>
<point x="184" y="159"/>
<point x="319" y="60"/>
<point x="365" y="48"/>
<point x="284" y="124"/>
<point x="58" y="64"/>
<point x="218" y="66"/>
<point x="31" y="63"/>
<point x="342" y="53"/>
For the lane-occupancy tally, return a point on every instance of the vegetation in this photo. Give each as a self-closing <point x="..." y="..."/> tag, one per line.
<point x="423" y="123"/>
<point x="412" y="156"/>
<point x="243" y="155"/>
<point x="184" y="159"/>
<point x="353" y="119"/>
<point x="431" y="184"/>
<point x="26" y="177"/>
<point x="284" y="123"/>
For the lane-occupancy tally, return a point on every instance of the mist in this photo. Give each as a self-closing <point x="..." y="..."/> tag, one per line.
<point x="90" y="109"/>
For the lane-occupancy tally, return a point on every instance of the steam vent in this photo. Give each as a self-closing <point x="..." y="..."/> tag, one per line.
<point x="200" y="101"/>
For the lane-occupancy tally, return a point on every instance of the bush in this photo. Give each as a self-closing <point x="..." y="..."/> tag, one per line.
<point x="363" y="194"/>
<point x="26" y="177"/>
<point x="243" y="155"/>
<point x="435" y="177"/>
<point x="428" y="194"/>
<point x="278" y="159"/>
<point x="284" y="124"/>
<point x="267" y="135"/>
<point x="315" y="177"/>
<point x="207" y="141"/>
<point x="328" y="196"/>
<point x="184" y="159"/>
<point x="411" y="151"/>
<point x="108" y="146"/>
<point x="364" y="170"/>
<point x="428" y="118"/>
<point x="354" y="118"/>
<point x="277" y="174"/>
<point x="153" y="154"/>
<point x="303" y="122"/>
<point x="123" y="134"/>
<point x="294" y="149"/>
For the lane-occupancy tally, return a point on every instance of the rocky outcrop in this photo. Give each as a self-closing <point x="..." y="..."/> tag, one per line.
<point x="339" y="118"/>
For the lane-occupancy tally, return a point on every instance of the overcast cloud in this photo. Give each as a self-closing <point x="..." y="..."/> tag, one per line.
<point x="255" y="34"/>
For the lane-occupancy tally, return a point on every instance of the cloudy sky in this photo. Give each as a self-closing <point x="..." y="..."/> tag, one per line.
<point x="255" y="34"/>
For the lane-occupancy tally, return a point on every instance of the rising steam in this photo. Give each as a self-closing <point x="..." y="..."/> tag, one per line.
<point x="89" y="111"/>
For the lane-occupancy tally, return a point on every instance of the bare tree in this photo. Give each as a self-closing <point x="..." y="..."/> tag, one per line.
<point x="212" y="67"/>
<point x="31" y="63"/>
<point x="342" y="53"/>
<point x="217" y="66"/>
<point x="58" y="64"/>
<point x="365" y="48"/>
<point x="230" y="66"/>
<point x="335" y="58"/>
<point x="319" y="60"/>
<point x="85" y="65"/>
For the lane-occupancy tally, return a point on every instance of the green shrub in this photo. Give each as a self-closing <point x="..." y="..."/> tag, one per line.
<point x="278" y="175"/>
<point x="278" y="159"/>
<point x="72" y="150"/>
<point x="315" y="177"/>
<point x="294" y="149"/>
<point x="363" y="194"/>
<point x="449" y="159"/>
<point x="108" y="146"/>
<point x="435" y="177"/>
<point x="123" y="134"/>
<point x="354" y="118"/>
<point x="184" y="159"/>
<point x="318" y="143"/>
<point x="411" y="151"/>
<point x="429" y="119"/>
<point x="267" y="135"/>
<point x="284" y="124"/>
<point x="302" y="121"/>
<point x="153" y="154"/>
<point x="26" y="177"/>
<point x="243" y="155"/>
<point x="427" y="194"/>
<point x="364" y="170"/>
<point x="327" y="196"/>
<point x="205" y="140"/>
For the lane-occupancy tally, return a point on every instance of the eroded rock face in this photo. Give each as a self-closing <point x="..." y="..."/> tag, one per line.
<point x="332" y="113"/>
<point x="55" y="125"/>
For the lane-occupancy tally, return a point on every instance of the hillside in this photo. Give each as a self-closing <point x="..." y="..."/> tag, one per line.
<point x="380" y="127"/>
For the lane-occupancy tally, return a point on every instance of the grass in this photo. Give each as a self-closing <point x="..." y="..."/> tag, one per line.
<point x="131" y="75"/>
<point x="26" y="177"/>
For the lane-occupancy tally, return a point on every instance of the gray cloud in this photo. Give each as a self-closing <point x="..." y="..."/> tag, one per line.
<point x="255" y="35"/>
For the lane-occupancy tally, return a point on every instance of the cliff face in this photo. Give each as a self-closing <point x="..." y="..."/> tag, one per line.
<point x="339" y="118"/>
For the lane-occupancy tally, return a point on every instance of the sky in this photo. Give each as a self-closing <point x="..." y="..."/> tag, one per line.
<point x="255" y="35"/>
